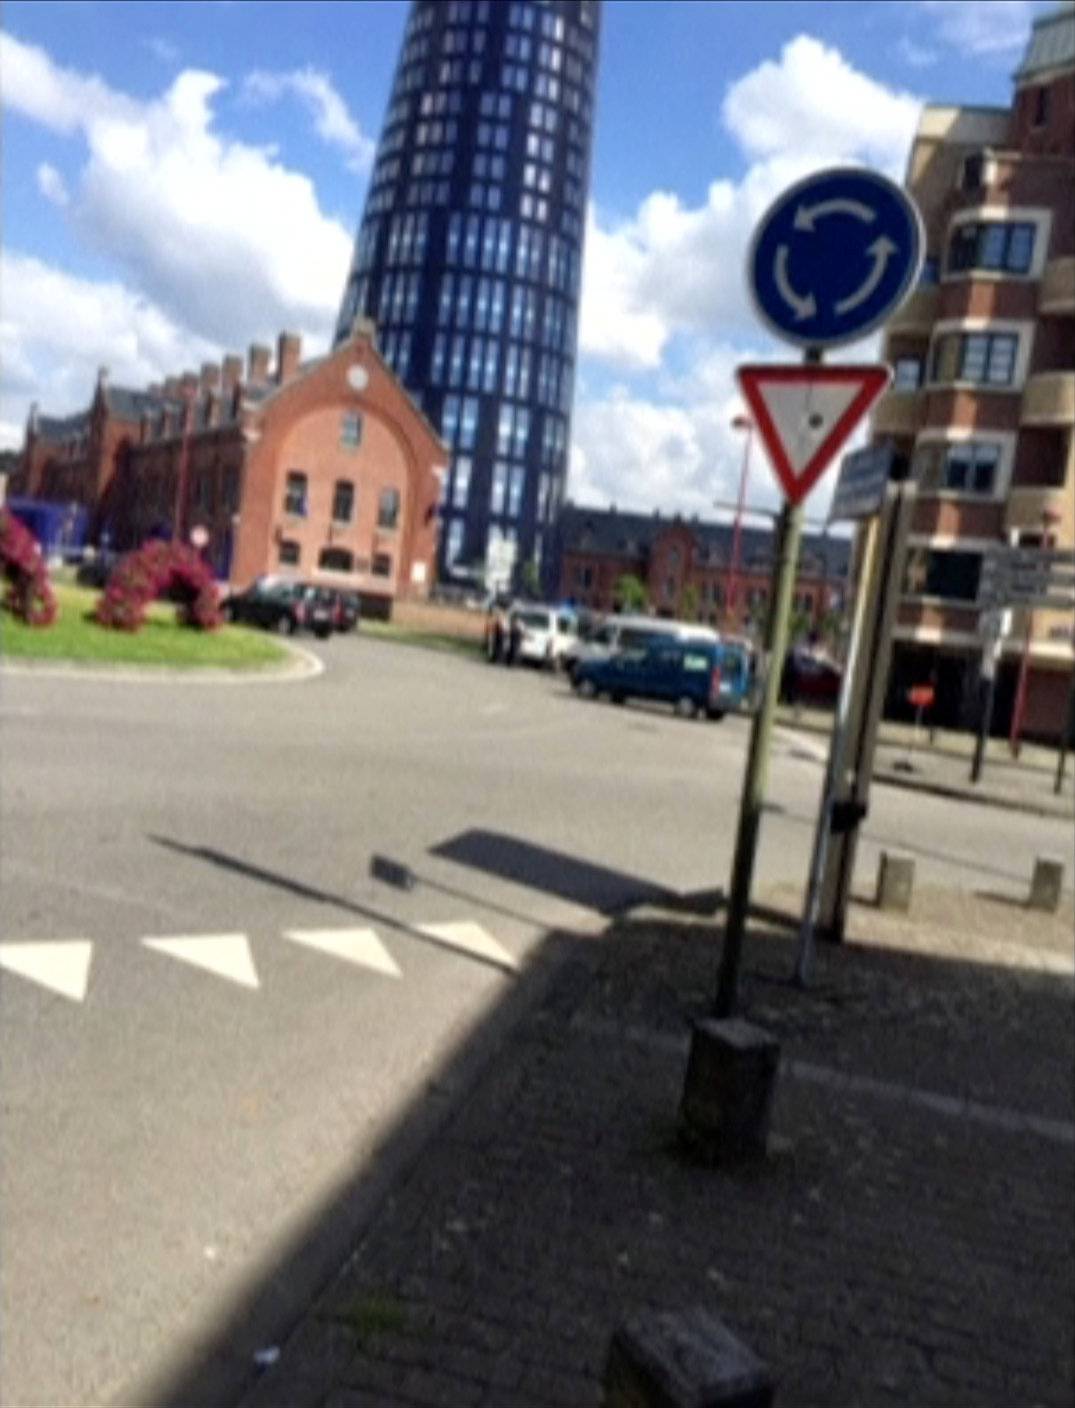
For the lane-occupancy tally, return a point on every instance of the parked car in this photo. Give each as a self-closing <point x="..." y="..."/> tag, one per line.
<point x="809" y="678"/>
<point x="349" y="611"/>
<point x="625" y="632"/>
<point x="694" y="676"/>
<point x="543" y="633"/>
<point x="276" y="604"/>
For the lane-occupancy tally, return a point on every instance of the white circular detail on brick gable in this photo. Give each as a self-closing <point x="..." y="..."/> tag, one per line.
<point x="358" y="378"/>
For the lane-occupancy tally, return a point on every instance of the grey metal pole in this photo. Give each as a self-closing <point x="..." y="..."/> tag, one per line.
<point x="804" y="958"/>
<point x="746" y="841"/>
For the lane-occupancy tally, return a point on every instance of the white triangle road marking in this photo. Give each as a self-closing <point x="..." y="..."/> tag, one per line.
<point x="360" y="946"/>
<point x="62" y="965"/>
<point x="470" y="938"/>
<point x="226" y="955"/>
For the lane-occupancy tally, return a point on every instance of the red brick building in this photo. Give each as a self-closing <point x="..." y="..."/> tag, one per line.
<point x="323" y="469"/>
<point x="983" y="402"/>
<point x="686" y="567"/>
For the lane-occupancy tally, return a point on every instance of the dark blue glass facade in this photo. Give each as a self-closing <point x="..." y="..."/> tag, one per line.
<point x="469" y="255"/>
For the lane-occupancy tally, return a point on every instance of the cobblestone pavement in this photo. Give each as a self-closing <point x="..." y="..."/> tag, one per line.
<point x="910" y="1238"/>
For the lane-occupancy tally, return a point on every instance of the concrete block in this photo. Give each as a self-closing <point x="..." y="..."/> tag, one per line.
<point x="1046" y="884"/>
<point x="895" y="881"/>
<point x="683" y="1359"/>
<point x="728" y="1091"/>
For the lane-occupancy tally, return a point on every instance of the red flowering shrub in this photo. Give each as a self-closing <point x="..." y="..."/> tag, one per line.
<point x="156" y="569"/>
<point x="29" y="593"/>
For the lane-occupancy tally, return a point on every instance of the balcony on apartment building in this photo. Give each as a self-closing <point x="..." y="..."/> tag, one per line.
<point x="1056" y="297"/>
<point x="1049" y="399"/>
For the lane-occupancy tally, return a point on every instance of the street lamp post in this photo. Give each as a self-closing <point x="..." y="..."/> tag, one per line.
<point x="746" y="424"/>
<point x="1049" y="519"/>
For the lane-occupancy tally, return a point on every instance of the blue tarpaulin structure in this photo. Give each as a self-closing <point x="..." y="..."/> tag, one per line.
<point x="61" y="529"/>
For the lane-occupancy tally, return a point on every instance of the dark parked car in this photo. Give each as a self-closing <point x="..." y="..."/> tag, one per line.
<point x="809" y="679"/>
<point x="278" y="605"/>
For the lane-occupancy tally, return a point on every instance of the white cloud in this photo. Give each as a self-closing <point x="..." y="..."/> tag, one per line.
<point x="57" y="330"/>
<point x="52" y="185"/>
<point x="813" y="101"/>
<point x="667" y="285"/>
<point x="332" y="120"/>
<point x="917" y="55"/>
<point x="162" y="49"/>
<point x="216" y="239"/>
<point x="983" y="27"/>
<point x="672" y="268"/>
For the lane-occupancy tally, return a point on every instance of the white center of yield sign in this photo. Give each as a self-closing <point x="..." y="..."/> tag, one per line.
<point x="804" y="415"/>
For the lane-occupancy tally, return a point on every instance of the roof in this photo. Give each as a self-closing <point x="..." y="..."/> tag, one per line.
<point x="1052" y="43"/>
<point x="613" y="533"/>
<point x="63" y="427"/>
<point x="129" y="404"/>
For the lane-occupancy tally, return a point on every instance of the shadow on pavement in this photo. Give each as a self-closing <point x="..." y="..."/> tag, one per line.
<point x="553" y="872"/>
<point x="515" y="1214"/>
<point x="310" y="892"/>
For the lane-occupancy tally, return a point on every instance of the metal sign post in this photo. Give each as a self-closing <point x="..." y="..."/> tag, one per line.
<point x="830" y="259"/>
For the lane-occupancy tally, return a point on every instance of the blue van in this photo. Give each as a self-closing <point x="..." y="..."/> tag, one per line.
<point x="695" y="677"/>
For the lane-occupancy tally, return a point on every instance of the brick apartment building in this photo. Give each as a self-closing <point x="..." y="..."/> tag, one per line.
<point x="983" y="400"/>
<point x="322" y="469"/>
<point x="686" y="566"/>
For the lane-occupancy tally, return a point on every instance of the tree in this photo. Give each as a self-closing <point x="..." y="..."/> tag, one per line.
<point x="631" y="593"/>
<point x="530" y="579"/>
<point x="691" y="602"/>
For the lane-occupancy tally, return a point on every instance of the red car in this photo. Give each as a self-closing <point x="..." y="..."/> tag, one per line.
<point x="810" y="679"/>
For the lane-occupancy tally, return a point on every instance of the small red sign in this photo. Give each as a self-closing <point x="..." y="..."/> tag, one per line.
<point x="806" y="413"/>
<point x="920" y="696"/>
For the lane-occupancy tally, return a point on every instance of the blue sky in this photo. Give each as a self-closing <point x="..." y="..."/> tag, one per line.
<point x="181" y="179"/>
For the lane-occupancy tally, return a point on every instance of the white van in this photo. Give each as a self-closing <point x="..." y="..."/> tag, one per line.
<point x="546" y="633"/>
<point x="619" y="632"/>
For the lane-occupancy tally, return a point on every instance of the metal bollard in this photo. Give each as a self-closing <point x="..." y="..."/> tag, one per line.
<point x="895" y="882"/>
<point x="683" y="1359"/>
<point x="1046" y="884"/>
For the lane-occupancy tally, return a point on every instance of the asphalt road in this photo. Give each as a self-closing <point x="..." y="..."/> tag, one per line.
<point x="173" y="1111"/>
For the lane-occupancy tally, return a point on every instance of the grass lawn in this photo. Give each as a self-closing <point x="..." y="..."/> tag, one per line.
<point x="431" y="640"/>
<point x="76" y="637"/>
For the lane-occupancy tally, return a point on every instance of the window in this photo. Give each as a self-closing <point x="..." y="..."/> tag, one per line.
<point x="295" y="494"/>
<point x="454" y="545"/>
<point x="461" y="482"/>
<point x="468" y="427"/>
<point x="1041" y="106"/>
<point x="382" y="564"/>
<point x="973" y="173"/>
<point x="515" y="490"/>
<point x="388" y="509"/>
<point x="908" y="374"/>
<point x="985" y="358"/>
<point x="336" y="560"/>
<point x="288" y="553"/>
<point x="449" y="421"/>
<point x="499" y="489"/>
<point x="993" y="245"/>
<point x="940" y="573"/>
<point x="343" y="501"/>
<point x="961" y="467"/>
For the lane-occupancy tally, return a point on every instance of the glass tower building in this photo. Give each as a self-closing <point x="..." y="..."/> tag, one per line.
<point x="469" y="255"/>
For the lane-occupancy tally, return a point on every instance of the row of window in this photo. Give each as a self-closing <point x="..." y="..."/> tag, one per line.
<point x="984" y="358"/>
<point x="993" y="245"/>
<point x="335" y="559"/>
<point x="963" y="466"/>
<point x="407" y="238"/>
<point x="296" y="500"/>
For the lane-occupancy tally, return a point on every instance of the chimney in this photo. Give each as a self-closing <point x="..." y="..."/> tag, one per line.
<point x="288" y="352"/>
<point x="171" y="388"/>
<point x="257" y="364"/>
<point x="155" y="388"/>
<point x="364" y="327"/>
<point x="102" y="377"/>
<point x="209" y="377"/>
<point x="232" y="373"/>
<point x="188" y="384"/>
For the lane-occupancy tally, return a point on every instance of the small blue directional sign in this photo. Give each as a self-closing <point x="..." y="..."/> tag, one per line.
<point x="834" y="255"/>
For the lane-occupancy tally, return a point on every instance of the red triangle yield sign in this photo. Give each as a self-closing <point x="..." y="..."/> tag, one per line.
<point x="805" y="414"/>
